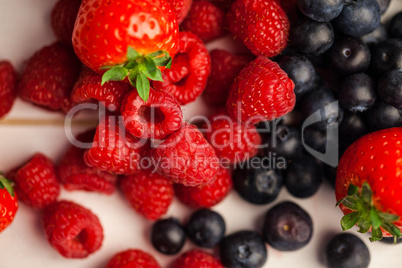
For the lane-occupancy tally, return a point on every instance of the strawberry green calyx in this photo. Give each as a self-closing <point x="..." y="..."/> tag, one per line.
<point x="365" y="215"/>
<point x="139" y="69"/>
<point x="6" y="184"/>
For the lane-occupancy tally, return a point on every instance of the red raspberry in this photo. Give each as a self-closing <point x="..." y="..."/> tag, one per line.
<point x="35" y="182"/>
<point x="148" y="193"/>
<point x="225" y="67"/>
<point x="49" y="77"/>
<point x="190" y="70"/>
<point x="186" y="157"/>
<point x="74" y="231"/>
<point x="180" y="8"/>
<point x="222" y="4"/>
<point x="134" y="258"/>
<point x="63" y="18"/>
<point x="208" y="195"/>
<point x="262" y="91"/>
<point x="76" y="175"/>
<point x="88" y="86"/>
<point x="261" y="24"/>
<point x="205" y="20"/>
<point x="8" y="84"/>
<point x="197" y="259"/>
<point x="114" y="150"/>
<point x="156" y="118"/>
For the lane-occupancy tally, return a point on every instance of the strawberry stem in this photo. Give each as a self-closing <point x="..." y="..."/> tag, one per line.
<point x="6" y="184"/>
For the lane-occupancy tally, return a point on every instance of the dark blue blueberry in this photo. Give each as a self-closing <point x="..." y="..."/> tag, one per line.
<point x="287" y="227"/>
<point x="168" y="236"/>
<point x="349" y="55"/>
<point x="358" y="18"/>
<point x="386" y="56"/>
<point x="330" y="174"/>
<point x="315" y="139"/>
<point x="311" y="37"/>
<point x="353" y="127"/>
<point x="375" y="37"/>
<point x="357" y="93"/>
<point x="390" y="88"/>
<point x="243" y="249"/>
<point x="347" y="251"/>
<point x="382" y="116"/>
<point x="395" y="26"/>
<point x="206" y="228"/>
<point x="383" y="4"/>
<point x="323" y="10"/>
<point x="285" y="141"/>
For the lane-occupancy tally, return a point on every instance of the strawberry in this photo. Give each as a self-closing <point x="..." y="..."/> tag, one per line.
<point x="63" y="18"/>
<point x="133" y="39"/>
<point x="368" y="184"/>
<point x="180" y="8"/>
<point x="8" y="203"/>
<point x="8" y="86"/>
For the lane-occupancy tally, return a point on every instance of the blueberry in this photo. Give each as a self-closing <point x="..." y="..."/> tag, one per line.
<point x="347" y="251"/>
<point x="383" y="4"/>
<point x="353" y="127"/>
<point x="349" y="55"/>
<point x="285" y="141"/>
<point x="315" y="139"/>
<point x="390" y="240"/>
<point x="383" y="116"/>
<point x="243" y="249"/>
<point x="395" y="26"/>
<point x="259" y="180"/>
<point x="386" y="56"/>
<point x="206" y="228"/>
<point x="390" y="88"/>
<point x="287" y="227"/>
<point x="323" y="10"/>
<point x="168" y="236"/>
<point x="358" y="18"/>
<point x="330" y="174"/>
<point x="376" y="36"/>
<point x="311" y="37"/>
<point x="357" y="92"/>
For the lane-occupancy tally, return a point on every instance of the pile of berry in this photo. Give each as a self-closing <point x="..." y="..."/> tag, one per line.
<point x="298" y="59"/>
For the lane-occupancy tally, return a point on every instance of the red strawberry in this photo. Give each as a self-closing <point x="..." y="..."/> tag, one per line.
<point x="225" y="67"/>
<point x="148" y="193"/>
<point x="205" y="20"/>
<point x="368" y="184"/>
<point x="197" y="259"/>
<point x="134" y="258"/>
<point x="71" y="229"/>
<point x="180" y="8"/>
<point x="261" y="92"/>
<point x="8" y="84"/>
<point x="63" y="18"/>
<point x="8" y="203"/>
<point x="156" y="118"/>
<point x="208" y="195"/>
<point x="190" y="70"/>
<point x="49" y="77"/>
<point x="186" y="157"/>
<point x="261" y="24"/>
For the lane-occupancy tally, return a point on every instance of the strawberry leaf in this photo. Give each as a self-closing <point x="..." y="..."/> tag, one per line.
<point x="6" y="184"/>
<point x="114" y="74"/>
<point x="350" y="220"/>
<point x="132" y="54"/>
<point x="156" y="54"/>
<point x="367" y="193"/>
<point x="388" y="216"/>
<point x="164" y="61"/>
<point x="352" y="190"/>
<point x="375" y="220"/>
<point x="376" y="234"/>
<point x="142" y="85"/>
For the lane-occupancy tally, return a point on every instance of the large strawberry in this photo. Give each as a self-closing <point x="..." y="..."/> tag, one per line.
<point x="369" y="184"/>
<point x="132" y="38"/>
<point x="8" y="203"/>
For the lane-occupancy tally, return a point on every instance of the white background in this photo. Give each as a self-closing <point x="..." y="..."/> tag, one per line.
<point x="25" y="28"/>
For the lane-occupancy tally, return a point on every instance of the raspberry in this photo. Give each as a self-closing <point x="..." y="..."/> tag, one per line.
<point x="36" y="182"/>
<point x="208" y="195"/>
<point x="197" y="259"/>
<point x="180" y="8"/>
<point x="132" y="258"/>
<point x="88" y="86"/>
<point x="186" y="157"/>
<point x="205" y="20"/>
<point x="261" y="24"/>
<point x="156" y="118"/>
<point x="187" y="77"/>
<point x="225" y="67"/>
<point x="63" y="18"/>
<point x="49" y="77"/>
<point x="261" y="84"/>
<point x="8" y="84"/>
<point x="76" y="175"/>
<point x="148" y="193"/>
<point x="74" y="231"/>
<point x="222" y="4"/>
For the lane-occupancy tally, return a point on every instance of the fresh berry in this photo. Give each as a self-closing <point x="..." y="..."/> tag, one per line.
<point x="323" y="11"/>
<point x="187" y="77"/>
<point x="155" y="118"/>
<point x="168" y="236"/>
<point x="132" y="258"/>
<point x="225" y="66"/>
<point x="347" y="250"/>
<point x="180" y="8"/>
<point x="223" y="4"/>
<point x="208" y="195"/>
<point x="197" y="259"/>
<point x="353" y="126"/>
<point x="285" y="141"/>
<point x="35" y="182"/>
<point x="390" y="88"/>
<point x="206" y="228"/>
<point x="71" y="229"/>
<point x="262" y="83"/>
<point x="186" y="157"/>
<point x="376" y="36"/>
<point x="205" y="20"/>
<point x="382" y="116"/>
<point x="287" y="227"/>
<point x="148" y="193"/>
<point x="63" y="18"/>
<point x="243" y="249"/>
<point x="262" y="25"/>
<point x="49" y="77"/>
<point x="367" y="184"/>
<point x="386" y="56"/>
<point x="395" y="26"/>
<point x="8" y="87"/>
<point x="8" y="203"/>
